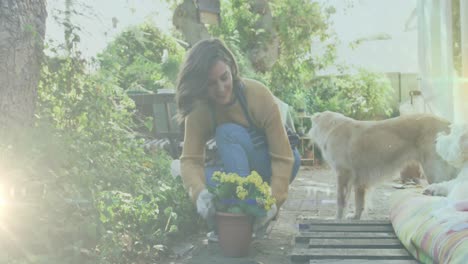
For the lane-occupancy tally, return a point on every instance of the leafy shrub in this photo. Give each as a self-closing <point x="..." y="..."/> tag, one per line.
<point x="88" y="180"/>
<point x="142" y="57"/>
<point x="365" y="95"/>
<point x="139" y="225"/>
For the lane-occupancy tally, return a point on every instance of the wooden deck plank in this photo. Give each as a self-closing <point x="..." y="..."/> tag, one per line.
<point x="304" y="237"/>
<point x="306" y="254"/>
<point x="346" y="228"/>
<point x="343" y="222"/>
<point x="362" y="261"/>
<point x="355" y="243"/>
<point x="348" y="242"/>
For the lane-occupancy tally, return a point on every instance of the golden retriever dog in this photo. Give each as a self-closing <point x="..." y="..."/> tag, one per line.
<point x="363" y="153"/>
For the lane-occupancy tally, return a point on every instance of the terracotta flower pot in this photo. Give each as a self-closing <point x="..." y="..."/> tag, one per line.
<point x="235" y="233"/>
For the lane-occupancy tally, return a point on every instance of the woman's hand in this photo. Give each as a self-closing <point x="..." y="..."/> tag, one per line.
<point x="261" y="223"/>
<point x="205" y="205"/>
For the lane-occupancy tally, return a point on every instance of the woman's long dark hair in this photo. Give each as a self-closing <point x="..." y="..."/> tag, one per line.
<point x="193" y="75"/>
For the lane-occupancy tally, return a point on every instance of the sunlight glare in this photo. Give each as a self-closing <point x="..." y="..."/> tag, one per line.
<point x="2" y="199"/>
<point x="2" y="203"/>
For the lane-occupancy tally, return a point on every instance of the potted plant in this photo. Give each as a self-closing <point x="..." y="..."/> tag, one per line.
<point x="238" y="200"/>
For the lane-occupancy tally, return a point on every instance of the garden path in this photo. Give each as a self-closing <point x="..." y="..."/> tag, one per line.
<point x="312" y="194"/>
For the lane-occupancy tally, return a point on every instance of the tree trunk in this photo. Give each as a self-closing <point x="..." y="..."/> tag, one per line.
<point x="22" y="31"/>
<point x="185" y="19"/>
<point x="264" y="55"/>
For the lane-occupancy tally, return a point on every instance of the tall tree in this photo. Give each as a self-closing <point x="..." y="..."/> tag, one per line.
<point x="22" y="31"/>
<point x="262" y="53"/>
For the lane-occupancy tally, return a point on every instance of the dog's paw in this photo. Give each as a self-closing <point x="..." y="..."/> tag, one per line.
<point x="436" y="190"/>
<point x="352" y="216"/>
<point x="339" y="214"/>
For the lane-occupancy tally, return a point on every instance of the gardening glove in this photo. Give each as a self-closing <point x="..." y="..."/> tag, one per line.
<point x="261" y="223"/>
<point x="205" y="206"/>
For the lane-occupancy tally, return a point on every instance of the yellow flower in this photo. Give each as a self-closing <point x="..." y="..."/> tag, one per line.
<point x="255" y="179"/>
<point x="269" y="203"/>
<point x="251" y="186"/>
<point x="241" y="192"/>
<point x="216" y="176"/>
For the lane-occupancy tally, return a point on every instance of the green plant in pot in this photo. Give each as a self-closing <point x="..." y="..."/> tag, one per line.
<point x="238" y="200"/>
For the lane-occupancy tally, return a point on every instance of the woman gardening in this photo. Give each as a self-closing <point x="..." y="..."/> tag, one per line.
<point x="243" y="117"/>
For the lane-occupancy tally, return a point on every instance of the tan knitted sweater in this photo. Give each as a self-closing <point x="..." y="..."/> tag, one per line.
<point x="265" y="114"/>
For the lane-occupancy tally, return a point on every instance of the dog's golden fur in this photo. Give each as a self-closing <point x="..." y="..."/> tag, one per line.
<point x="362" y="153"/>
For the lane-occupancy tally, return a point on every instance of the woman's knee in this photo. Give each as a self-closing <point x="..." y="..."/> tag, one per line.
<point x="230" y="132"/>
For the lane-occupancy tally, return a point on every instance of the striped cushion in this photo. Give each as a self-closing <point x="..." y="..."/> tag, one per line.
<point x="433" y="229"/>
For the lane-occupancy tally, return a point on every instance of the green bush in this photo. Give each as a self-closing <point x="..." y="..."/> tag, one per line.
<point x="142" y="57"/>
<point x="90" y="186"/>
<point x="139" y="225"/>
<point x="364" y="96"/>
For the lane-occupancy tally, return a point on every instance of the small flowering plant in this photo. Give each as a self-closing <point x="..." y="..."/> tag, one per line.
<point x="236" y="194"/>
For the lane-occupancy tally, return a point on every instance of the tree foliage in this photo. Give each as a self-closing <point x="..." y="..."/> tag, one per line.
<point x="134" y="203"/>
<point x="363" y="96"/>
<point x="142" y="57"/>
<point x="96" y="195"/>
<point x="90" y="191"/>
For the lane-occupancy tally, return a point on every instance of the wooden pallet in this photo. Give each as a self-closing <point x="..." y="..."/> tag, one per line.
<point x="348" y="241"/>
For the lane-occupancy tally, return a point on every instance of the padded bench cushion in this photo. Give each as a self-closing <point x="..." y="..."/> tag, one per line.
<point x="433" y="229"/>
